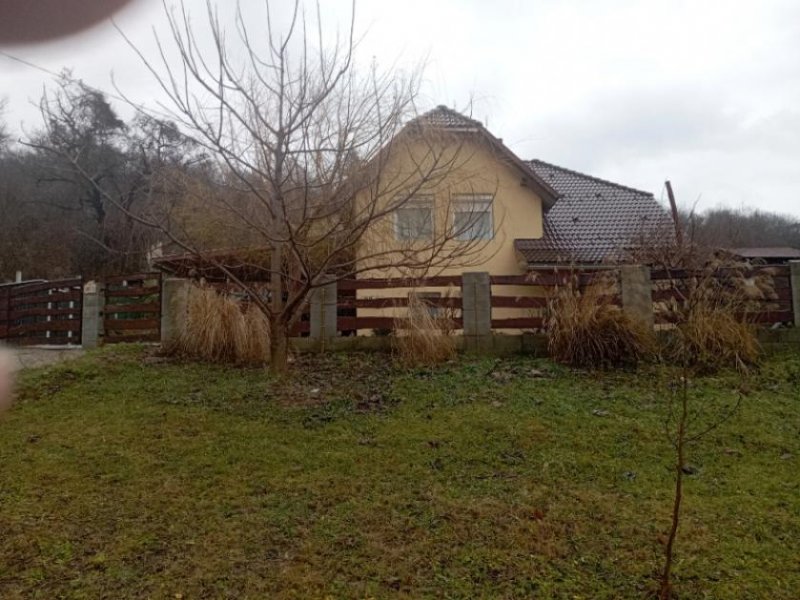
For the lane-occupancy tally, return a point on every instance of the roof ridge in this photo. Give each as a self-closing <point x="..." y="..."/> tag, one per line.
<point x="592" y="177"/>
<point x="450" y="113"/>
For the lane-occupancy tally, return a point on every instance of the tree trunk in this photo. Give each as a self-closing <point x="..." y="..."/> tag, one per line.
<point x="665" y="592"/>
<point x="279" y="330"/>
<point x="276" y="279"/>
<point x="278" y="346"/>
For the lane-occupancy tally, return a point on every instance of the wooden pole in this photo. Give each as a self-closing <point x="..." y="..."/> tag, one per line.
<point x="675" y="217"/>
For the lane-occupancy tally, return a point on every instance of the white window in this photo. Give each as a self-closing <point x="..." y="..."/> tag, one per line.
<point x="414" y="220"/>
<point x="472" y="218"/>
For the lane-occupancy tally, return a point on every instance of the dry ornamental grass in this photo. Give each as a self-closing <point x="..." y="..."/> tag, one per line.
<point x="713" y="334"/>
<point x="424" y="337"/>
<point x="585" y="330"/>
<point x="220" y="328"/>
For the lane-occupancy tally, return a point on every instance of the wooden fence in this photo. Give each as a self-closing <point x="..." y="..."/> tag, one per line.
<point x="521" y="301"/>
<point x="132" y="308"/>
<point x="518" y="302"/>
<point x="45" y="312"/>
<point x="764" y="293"/>
<point x="367" y="312"/>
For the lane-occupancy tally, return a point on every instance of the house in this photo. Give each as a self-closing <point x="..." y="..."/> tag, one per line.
<point x="513" y="214"/>
<point x="528" y="213"/>
<point x="539" y="213"/>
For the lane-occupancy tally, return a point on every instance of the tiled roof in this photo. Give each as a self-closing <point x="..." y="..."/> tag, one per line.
<point x="447" y="118"/>
<point x="593" y="220"/>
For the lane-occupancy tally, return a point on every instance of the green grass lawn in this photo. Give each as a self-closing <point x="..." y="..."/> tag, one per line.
<point x="122" y="477"/>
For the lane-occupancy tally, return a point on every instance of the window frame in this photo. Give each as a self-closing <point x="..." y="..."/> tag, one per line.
<point x="424" y="201"/>
<point x="473" y="200"/>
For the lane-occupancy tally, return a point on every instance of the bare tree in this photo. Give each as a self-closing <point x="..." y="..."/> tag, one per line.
<point x="728" y="228"/>
<point x="34" y="237"/>
<point x="707" y="312"/>
<point x="685" y="426"/>
<point x="96" y="170"/>
<point x="310" y="160"/>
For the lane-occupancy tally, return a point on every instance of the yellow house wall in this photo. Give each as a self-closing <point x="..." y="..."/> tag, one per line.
<point x="517" y="213"/>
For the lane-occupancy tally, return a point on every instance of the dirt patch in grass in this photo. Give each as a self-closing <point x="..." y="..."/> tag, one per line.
<point x="362" y="379"/>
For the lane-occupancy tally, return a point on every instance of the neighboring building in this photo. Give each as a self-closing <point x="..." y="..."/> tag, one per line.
<point x="775" y="255"/>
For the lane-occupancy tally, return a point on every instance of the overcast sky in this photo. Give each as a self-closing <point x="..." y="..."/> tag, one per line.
<point x="704" y="93"/>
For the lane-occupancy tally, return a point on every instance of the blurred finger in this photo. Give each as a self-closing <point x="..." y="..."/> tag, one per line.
<point x="27" y="21"/>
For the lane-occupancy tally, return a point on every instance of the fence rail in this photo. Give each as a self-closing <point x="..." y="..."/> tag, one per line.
<point x="132" y="308"/>
<point x="376" y="305"/>
<point x="42" y="312"/>
<point x="128" y="308"/>
<point x="518" y="302"/>
<point x="765" y="293"/>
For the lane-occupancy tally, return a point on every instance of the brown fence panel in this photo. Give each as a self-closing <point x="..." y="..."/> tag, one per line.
<point x="382" y="283"/>
<point x="519" y="301"/>
<point x="132" y="311"/>
<point x="5" y="297"/>
<point x="750" y="271"/>
<point x="381" y="323"/>
<point x="518" y="323"/>
<point x="42" y="312"/>
<point x="766" y="295"/>
<point x="350" y="319"/>
<point x="552" y="277"/>
<point x="399" y="302"/>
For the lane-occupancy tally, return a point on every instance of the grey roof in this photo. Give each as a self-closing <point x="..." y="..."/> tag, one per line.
<point x="447" y="118"/>
<point x="594" y="220"/>
<point x="780" y="252"/>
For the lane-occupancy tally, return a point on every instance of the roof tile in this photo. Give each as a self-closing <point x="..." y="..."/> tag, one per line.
<point x="593" y="221"/>
<point x="447" y="118"/>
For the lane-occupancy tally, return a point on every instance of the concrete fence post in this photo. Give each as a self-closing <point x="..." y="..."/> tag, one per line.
<point x="476" y="310"/>
<point x="323" y="303"/>
<point x="174" y="308"/>
<point x="637" y="293"/>
<point x="794" y="267"/>
<point x="93" y="303"/>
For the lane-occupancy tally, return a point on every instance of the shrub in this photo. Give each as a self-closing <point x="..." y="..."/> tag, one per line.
<point x="585" y="329"/>
<point x="219" y="328"/>
<point x="423" y="337"/>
